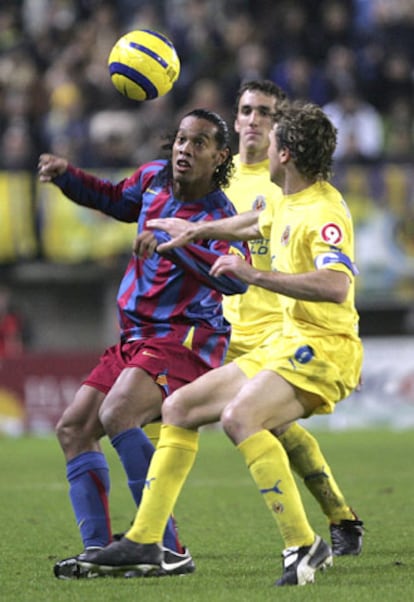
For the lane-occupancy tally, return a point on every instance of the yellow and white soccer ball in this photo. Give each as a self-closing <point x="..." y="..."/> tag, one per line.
<point x="143" y="64"/>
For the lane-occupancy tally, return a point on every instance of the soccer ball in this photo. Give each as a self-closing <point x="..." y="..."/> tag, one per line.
<point x="143" y="64"/>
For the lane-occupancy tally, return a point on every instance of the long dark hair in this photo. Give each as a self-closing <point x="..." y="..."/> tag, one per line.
<point x="223" y="173"/>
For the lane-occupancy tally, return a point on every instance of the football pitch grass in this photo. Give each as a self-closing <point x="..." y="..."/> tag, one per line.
<point x="222" y="519"/>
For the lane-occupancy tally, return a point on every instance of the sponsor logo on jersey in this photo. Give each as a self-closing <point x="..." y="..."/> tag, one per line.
<point x="149" y="354"/>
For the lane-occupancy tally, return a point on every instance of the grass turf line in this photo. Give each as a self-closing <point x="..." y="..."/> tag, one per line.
<point x="222" y="519"/>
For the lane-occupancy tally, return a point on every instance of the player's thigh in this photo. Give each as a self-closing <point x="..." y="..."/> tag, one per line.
<point x="80" y="420"/>
<point x="134" y="399"/>
<point x="202" y="401"/>
<point x="266" y="401"/>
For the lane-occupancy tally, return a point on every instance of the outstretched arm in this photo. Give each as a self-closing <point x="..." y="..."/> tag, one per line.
<point x="50" y="167"/>
<point x="121" y="201"/>
<point x="243" y="226"/>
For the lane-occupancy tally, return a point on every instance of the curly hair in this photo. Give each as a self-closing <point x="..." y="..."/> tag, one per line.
<point x="222" y="175"/>
<point x="308" y="134"/>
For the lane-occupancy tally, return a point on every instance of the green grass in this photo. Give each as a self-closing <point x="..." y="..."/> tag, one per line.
<point x="223" y="520"/>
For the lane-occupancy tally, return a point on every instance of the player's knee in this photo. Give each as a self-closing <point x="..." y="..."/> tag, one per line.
<point x="62" y="433"/>
<point x="175" y="412"/>
<point x="232" y="422"/>
<point x="112" y="418"/>
<point x="69" y="435"/>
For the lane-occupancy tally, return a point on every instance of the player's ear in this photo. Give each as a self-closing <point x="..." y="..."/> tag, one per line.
<point x="284" y="155"/>
<point x="223" y="156"/>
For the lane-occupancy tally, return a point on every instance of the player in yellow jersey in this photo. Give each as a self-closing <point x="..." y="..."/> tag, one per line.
<point x="256" y="314"/>
<point x="316" y="363"/>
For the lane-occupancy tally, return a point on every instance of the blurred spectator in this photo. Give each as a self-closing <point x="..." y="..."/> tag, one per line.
<point x="394" y="24"/>
<point x="114" y="136"/>
<point x="13" y="333"/>
<point x="17" y="151"/>
<point x="341" y="68"/>
<point x="208" y="93"/>
<point x="54" y="78"/>
<point x="335" y="27"/>
<point x="294" y="35"/>
<point x="154" y="122"/>
<point x="65" y="125"/>
<point x="55" y="86"/>
<point x="250" y="62"/>
<point x="194" y="27"/>
<point x="360" y="130"/>
<point x="395" y="81"/>
<point x="399" y="131"/>
<point x="302" y="80"/>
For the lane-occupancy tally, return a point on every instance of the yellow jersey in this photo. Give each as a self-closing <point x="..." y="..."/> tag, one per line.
<point x="313" y="230"/>
<point x="257" y="309"/>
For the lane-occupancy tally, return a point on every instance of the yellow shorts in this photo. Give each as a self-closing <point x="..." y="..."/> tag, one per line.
<point x="242" y="342"/>
<point x="327" y="367"/>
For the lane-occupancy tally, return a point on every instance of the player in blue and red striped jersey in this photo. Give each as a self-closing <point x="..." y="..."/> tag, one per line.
<point x="171" y="321"/>
<point x="311" y="367"/>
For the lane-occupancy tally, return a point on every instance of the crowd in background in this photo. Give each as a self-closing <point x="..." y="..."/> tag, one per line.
<point x="353" y="57"/>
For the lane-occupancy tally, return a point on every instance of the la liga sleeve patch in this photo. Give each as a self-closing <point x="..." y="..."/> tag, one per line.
<point x="331" y="233"/>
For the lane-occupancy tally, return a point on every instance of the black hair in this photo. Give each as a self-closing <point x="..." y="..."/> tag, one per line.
<point x="223" y="172"/>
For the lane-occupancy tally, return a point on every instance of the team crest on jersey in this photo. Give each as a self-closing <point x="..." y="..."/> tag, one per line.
<point x="332" y="233"/>
<point x="304" y="354"/>
<point x="235" y="251"/>
<point x="284" y="239"/>
<point x="259" y="203"/>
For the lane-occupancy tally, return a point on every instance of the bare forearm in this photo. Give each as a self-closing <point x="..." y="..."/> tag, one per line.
<point x="321" y="285"/>
<point x="243" y="226"/>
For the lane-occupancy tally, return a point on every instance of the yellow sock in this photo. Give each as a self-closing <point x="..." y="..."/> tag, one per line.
<point x="169" y="468"/>
<point x="152" y="431"/>
<point x="308" y="462"/>
<point x="269" y="467"/>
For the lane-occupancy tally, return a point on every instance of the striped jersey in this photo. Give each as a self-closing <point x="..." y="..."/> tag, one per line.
<point x="173" y="293"/>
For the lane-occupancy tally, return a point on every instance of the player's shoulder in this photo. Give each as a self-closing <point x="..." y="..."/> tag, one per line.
<point x="147" y="174"/>
<point x="336" y="199"/>
<point x="322" y="195"/>
<point x="219" y="204"/>
<point x="152" y="167"/>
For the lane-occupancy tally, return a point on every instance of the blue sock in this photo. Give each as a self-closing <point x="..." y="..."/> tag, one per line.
<point x="88" y="476"/>
<point x="135" y="451"/>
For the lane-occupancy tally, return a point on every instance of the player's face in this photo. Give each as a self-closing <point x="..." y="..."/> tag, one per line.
<point x="275" y="165"/>
<point x="254" y="121"/>
<point x="195" y="155"/>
